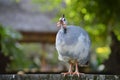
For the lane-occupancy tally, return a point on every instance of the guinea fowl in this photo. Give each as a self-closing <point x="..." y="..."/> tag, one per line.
<point x="73" y="45"/>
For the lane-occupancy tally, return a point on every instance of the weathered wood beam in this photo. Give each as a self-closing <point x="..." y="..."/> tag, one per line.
<point x="58" y="77"/>
<point x="42" y="37"/>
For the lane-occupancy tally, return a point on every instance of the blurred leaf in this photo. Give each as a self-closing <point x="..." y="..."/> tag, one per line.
<point x="11" y="48"/>
<point x="103" y="53"/>
<point x="48" y="5"/>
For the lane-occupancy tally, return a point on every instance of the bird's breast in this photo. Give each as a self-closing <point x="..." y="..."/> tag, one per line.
<point x="72" y="45"/>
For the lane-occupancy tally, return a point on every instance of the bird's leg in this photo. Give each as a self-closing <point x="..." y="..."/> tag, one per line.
<point x="76" y="70"/>
<point x="70" y="72"/>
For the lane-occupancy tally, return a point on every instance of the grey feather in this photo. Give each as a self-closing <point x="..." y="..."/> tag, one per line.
<point x="74" y="44"/>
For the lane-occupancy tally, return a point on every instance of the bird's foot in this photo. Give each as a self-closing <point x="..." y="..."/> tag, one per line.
<point x="77" y="73"/>
<point x="67" y="73"/>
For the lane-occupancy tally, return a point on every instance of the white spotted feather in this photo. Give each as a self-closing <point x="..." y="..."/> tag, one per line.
<point x="73" y="45"/>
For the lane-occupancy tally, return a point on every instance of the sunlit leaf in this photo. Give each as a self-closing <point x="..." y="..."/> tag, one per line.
<point x="83" y="10"/>
<point x="87" y="17"/>
<point x="103" y="53"/>
<point x="68" y="2"/>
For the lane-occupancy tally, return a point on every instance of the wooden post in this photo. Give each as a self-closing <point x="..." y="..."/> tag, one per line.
<point x="58" y="77"/>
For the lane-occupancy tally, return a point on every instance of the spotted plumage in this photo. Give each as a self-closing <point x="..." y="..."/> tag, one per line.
<point x="73" y="45"/>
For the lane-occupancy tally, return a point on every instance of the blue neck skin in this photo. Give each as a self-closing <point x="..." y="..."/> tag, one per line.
<point x="64" y="29"/>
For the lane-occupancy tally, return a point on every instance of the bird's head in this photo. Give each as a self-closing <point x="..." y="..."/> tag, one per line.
<point x="62" y="22"/>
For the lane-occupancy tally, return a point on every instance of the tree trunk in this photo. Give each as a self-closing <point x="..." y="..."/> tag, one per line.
<point x="4" y="60"/>
<point x="112" y="65"/>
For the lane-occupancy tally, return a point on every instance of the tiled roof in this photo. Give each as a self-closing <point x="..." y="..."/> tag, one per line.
<point x="21" y="18"/>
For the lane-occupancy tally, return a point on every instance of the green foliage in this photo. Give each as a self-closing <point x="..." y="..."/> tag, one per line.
<point x="48" y="5"/>
<point x="102" y="53"/>
<point x="97" y="17"/>
<point x="10" y="47"/>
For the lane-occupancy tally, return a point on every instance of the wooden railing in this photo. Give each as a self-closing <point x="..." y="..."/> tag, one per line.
<point x="58" y="77"/>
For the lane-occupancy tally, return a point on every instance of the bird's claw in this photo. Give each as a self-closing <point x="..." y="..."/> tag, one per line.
<point x="78" y="74"/>
<point x="67" y="73"/>
<point x="72" y="73"/>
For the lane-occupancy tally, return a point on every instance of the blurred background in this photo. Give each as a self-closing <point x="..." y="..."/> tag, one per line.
<point x="28" y="30"/>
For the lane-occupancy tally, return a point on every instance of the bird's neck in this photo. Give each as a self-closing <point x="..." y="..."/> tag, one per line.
<point x="64" y="29"/>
